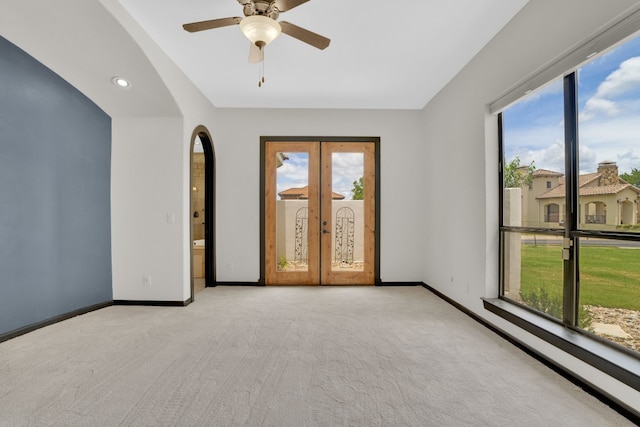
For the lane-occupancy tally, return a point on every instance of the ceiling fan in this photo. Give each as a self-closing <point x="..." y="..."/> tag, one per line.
<point x="259" y="25"/>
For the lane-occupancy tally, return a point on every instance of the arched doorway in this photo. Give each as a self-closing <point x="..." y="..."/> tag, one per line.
<point x="202" y="211"/>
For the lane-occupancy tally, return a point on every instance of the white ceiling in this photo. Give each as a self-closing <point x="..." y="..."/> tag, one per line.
<point x="87" y="46"/>
<point x="383" y="54"/>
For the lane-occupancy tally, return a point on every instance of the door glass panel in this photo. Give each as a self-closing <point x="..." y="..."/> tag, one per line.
<point x="347" y="211"/>
<point x="292" y="212"/>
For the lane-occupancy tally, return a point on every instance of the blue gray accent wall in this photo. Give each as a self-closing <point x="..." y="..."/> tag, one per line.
<point x="55" y="215"/>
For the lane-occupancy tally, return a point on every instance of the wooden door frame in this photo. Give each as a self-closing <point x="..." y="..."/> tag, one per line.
<point x="346" y="139"/>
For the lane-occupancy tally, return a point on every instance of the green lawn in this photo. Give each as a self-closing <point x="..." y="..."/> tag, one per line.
<point x="609" y="276"/>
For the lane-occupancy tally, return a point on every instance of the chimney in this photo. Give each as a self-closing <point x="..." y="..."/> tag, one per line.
<point x="608" y="173"/>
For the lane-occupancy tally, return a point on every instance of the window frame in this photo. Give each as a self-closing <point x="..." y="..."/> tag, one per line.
<point x="615" y="360"/>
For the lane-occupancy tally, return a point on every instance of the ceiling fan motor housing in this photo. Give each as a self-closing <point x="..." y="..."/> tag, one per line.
<point x="261" y="7"/>
<point x="260" y="23"/>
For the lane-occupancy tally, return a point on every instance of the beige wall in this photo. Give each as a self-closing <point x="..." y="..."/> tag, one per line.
<point x="619" y="209"/>
<point x="532" y="212"/>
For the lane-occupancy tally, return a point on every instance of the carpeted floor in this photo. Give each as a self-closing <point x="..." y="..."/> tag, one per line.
<point x="285" y="356"/>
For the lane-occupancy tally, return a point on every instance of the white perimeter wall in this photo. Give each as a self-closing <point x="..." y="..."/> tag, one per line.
<point x="460" y="142"/>
<point x="403" y="164"/>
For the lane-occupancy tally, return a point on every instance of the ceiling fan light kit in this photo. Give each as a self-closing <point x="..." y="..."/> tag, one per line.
<point x="260" y="30"/>
<point x="260" y="26"/>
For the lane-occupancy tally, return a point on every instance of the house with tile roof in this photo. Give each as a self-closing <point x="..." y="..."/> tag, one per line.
<point x="606" y="201"/>
<point x="302" y="193"/>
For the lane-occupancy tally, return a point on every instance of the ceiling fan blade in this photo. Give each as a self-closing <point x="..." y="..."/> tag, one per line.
<point x="284" y="5"/>
<point x="213" y="23"/>
<point x="255" y="54"/>
<point x="315" y="40"/>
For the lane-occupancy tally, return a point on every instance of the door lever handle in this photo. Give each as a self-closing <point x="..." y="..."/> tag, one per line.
<point x="325" y="232"/>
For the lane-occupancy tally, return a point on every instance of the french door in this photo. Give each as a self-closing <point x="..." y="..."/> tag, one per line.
<point x="319" y="212"/>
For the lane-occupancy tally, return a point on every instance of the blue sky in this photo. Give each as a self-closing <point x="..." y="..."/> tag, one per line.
<point x="347" y="167"/>
<point x="609" y="116"/>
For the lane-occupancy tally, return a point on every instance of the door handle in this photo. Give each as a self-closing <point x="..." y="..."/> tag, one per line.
<point x="325" y="232"/>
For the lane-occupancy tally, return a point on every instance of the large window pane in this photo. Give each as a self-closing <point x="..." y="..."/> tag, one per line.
<point x="609" y="148"/>
<point x="532" y="271"/>
<point x="533" y="145"/>
<point x="610" y="289"/>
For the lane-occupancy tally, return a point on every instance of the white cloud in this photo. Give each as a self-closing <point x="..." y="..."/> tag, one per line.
<point x="594" y="105"/>
<point x="624" y="79"/>
<point x="294" y="172"/>
<point x="588" y="159"/>
<point x="346" y="168"/>
<point x="552" y="158"/>
<point x="628" y="161"/>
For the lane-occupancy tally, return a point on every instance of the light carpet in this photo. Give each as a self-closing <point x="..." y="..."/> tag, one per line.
<point x="285" y="356"/>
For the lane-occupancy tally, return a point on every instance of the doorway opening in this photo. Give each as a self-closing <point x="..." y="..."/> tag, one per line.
<point x="320" y="220"/>
<point x="202" y="211"/>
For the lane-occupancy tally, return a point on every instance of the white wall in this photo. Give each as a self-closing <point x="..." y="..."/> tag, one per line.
<point x="238" y="179"/>
<point x="146" y="205"/>
<point x="151" y="183"/>
<point x="461" y="249"/>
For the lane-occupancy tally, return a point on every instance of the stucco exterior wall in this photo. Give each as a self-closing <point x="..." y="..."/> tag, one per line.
<point x="287" y="223"/>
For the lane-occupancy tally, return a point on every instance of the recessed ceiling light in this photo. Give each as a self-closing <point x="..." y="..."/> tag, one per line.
<point x="120" y="82"/>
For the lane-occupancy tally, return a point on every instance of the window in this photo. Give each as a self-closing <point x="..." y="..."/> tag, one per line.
<point x="552" y="213"/>
<point x="569" y="227"/>
<point x="530" y="158"/>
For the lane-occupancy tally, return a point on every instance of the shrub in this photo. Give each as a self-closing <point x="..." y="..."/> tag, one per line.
<point x="541" y="301"/>
<point x="282" y="262"/>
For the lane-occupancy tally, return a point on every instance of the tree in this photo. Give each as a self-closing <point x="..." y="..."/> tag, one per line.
<point x="358" y="189"/>
<point x="632" y="178"/>
<point x="516" y="176"/>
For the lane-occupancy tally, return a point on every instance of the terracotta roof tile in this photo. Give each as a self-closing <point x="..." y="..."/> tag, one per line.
<point x="546" y="173"/>
<point x="553" y="193"/>
<point x="302" y="193"/>
<point x="589" y="191"/>
<point x="588" y="177"/>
